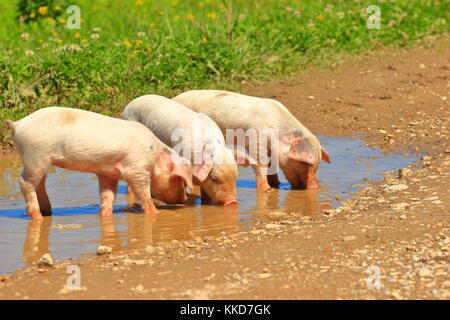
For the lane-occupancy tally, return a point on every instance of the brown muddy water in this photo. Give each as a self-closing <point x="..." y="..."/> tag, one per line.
<point x="75" y="229"/>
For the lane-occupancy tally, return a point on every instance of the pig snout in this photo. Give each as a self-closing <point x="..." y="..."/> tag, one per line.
<point x="230" y="201"/>
<point x="225" y="200"/>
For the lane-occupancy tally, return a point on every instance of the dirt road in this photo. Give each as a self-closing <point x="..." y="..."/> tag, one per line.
<point x="396" y="233"/>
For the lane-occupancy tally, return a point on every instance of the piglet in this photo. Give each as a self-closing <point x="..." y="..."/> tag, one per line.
<point x="112" y="148"/>
<point x="197" y="137"/>
<point x="290" y="145"/>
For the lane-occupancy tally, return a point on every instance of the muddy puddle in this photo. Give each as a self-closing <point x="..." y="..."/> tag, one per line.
<point x="75" y="229"/>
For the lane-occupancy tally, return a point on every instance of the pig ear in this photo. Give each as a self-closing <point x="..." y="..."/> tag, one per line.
<point x="181" y="168"/>
<point x="302" y="150"/>
<point x="325" y="156"/>
<point x="202" y="170"/>
<point x="243" y="158"/>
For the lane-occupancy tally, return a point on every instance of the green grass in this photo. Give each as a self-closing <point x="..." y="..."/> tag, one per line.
<point x="166" y="47"/>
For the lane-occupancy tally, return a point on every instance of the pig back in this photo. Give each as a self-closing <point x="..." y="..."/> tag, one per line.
<point x="169" y="120"/>
<point x="80" y="134"/>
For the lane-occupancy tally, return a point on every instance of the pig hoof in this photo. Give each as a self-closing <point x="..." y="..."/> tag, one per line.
<point x="46" y="212"/>
<point x="151" y="211"/>
<point x="264" y="187"/>
<point x="105" y="213"/>
<point x="36" y="215"/>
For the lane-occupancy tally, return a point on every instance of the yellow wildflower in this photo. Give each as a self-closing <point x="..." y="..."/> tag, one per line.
<point x="77" y="35"/>
<point x="204" y="39"/>
<point x="161" y="12"/>
<point x="139" y="42"/>
<point x="190" y="16"/>
<point x="59" y="41"/>
<point x="127" y="43"/>
<point x="32" y="15"/>
<point x="212" y="15"/>
<point x="57" y="8"/>
<point x="83" y="41"/>
<point x="152" y="25"/>
<point x="62" y="20"/>
<point x="290" y="37"/>
<point x="43" y="10"/>
<point x="138" y="3"/>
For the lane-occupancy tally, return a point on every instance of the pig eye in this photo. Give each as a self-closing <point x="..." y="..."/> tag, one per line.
<point x="213" y="178"/>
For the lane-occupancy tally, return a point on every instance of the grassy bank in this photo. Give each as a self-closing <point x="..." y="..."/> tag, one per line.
<point x="128" y="48"/>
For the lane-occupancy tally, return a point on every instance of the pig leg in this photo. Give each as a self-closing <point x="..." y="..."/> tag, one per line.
<point x="131" y="198"/>
<point x="42" y="196"/>
<point x="140" y="186"/>
<point x="29" y="182"/>
<point x="261" y="177"/>
<point x="273" y="180"/>
<point x="108" y="192"/>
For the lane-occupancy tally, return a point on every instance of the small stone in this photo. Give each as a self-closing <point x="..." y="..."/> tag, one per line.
<point x="40" y="270"/>
<point x="403" y="217"/>
<point x="192" y="245"/>
<point x="404" y="173"/>
<point x="149" y="249"/>
<point x="4" y="278"/>
<point x="271" y="226"/>
<point x="264" y="275"/>
<point x="276" y="215"/>
<point x="400" y="206"/>
<point x="311" y="98"/>
<point x="46" y="261"/>
<point x="329" y="212"/>
<point x="396" y="295"/>
<point x="103" y="250"/>
<point x="349" y="238"/>
<point x="139" y="289"/>
<point x="424" y="272"/>
<point x="67" y="290"/>
<point x="396" y="188"/>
